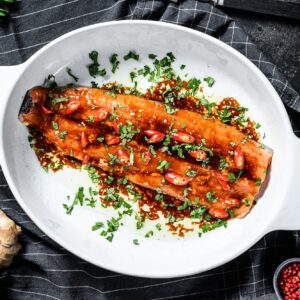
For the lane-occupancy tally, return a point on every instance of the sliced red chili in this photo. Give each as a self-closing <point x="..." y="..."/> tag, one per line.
<point x="114" y="141"/>
<point x="198" y="154"/>
<point x="223" y="181"/>
<point x="101" y="115"/>
<point x="116" y="127"/>
<point x="46" y="110"/>
<point x="218" y="213"/>
<point x="224" y="185"/>
<point x="156" y="138"/>
<point x="230" y="202"/>
<point x="85" y="159"/>
<point x="147" y="157"/>
<point x="183" y="137"/>
<point x="239" y="159"/>
<point x="222" y="177"/>
<point x="84" y="140"/>
<point x="123" y="156"/>
<point x="177" y="179"/>
<point x="72" y="106"/>
<point x="151" y="132"/>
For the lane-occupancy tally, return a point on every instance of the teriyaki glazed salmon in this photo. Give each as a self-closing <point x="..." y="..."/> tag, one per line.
<point x="198" y="160"/>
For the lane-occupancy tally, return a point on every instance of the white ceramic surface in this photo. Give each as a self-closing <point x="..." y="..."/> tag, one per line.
<point x="41" y="195"/>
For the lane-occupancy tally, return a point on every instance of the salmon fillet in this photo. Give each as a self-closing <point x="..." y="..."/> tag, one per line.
<point x="114" y="132"/>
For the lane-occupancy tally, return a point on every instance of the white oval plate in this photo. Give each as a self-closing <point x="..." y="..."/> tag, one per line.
<point x="41" y="195"/>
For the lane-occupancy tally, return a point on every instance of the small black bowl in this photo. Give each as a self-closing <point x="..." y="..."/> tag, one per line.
<point x="277" y="274"/>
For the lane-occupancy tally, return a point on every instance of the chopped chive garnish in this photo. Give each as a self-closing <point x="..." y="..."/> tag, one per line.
<point x="152" y="56"/>
<point x="258" y="181"/>
<point x="94" y="67"/>
<point x="59" y="100"/>
<point x="54" y="125"/>
<point x="149" y="234"/>
<point x="209" y="80"/>
<point x="163" y="164"/>
<point x="114" y="62"/>
<point x="131" y="55"/>
<point x="69" y="71"/>
<point x="97" y="225"/>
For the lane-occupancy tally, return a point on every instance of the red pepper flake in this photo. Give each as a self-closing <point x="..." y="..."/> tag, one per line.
<point x="84" y="139"/>
<point x="46" y="110"/>
<point x="290" y="282"/>
<point x="115" y="125"/>
<point x="85" y="159"/>
<point x="47" y="141"/>
<point x="123" y="156"/>
<point x="72" y="107"/>
<point x="101" y="115"/>
<point x="114" y="141"/>
<point x="147" y="157"/>
<point x="223" y="181"/>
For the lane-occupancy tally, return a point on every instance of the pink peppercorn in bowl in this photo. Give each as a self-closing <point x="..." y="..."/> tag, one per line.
<point x="286" y="280"/>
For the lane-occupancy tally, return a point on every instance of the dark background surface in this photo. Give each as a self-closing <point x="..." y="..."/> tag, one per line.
<point x="247" y="277"/>
<point x="279" y="39"/>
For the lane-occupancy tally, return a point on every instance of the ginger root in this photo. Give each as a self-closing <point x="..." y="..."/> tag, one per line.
<point x="9" y="246"/>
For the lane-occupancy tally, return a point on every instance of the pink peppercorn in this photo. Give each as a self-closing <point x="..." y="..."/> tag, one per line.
<point x="290" y="282"/>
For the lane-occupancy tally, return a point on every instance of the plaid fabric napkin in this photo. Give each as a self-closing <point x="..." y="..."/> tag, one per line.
<point x="43" y="270"/>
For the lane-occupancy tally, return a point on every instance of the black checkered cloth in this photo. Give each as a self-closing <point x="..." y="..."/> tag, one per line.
<point x="44" y="270"/>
